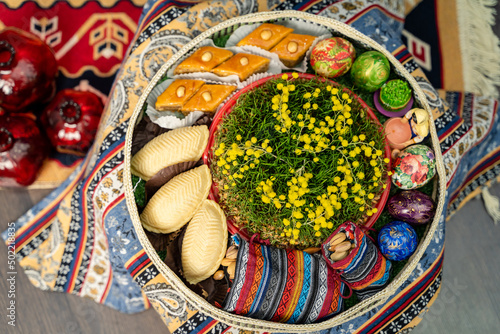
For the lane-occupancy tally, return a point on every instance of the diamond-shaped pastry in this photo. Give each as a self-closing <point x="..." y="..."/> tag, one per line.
<point x="243" y="65"/>
<point x="293" y="48"/>
<point x="208" y="98"/>
<point x="203" y="60"/>
<point x="266" y="36"/>
<point x="177" y="94"/>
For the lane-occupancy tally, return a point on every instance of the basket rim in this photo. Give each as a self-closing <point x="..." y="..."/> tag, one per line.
<point x="242" y="322"/>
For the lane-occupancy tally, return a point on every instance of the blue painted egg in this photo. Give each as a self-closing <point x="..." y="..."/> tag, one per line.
<point x="397" y="240"/>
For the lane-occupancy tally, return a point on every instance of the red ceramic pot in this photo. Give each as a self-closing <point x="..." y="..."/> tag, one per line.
<point x="23" y="148"/>
<point x="71" y="120"/>
<point x="28" y="69"/>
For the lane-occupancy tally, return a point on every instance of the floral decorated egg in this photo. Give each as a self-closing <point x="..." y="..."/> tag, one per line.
<point x="397" y="240"/>
<point x="414" y="167"/>
<point x="370" y="71"/>
<point x="411" y="206"/>
<point x="332" y="57"/>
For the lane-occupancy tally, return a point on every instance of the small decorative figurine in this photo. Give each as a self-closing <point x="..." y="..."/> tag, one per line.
<point x="411" y="206"/>
<point x="332" y="57"/>
<point x="370" y="70"/>
<point x="397" y="241"/>
<point x="414" y="167"/>
<point x="407" y="130"/>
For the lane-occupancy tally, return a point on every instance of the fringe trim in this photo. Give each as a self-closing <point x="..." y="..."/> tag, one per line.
<point x="480" y="47"/>
<point x="492" y="205"/>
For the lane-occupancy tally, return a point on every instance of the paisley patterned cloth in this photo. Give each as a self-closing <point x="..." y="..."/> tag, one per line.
<point x="365" y="269"/>
<point x="81" y="240"/>
<point x="283" y="285"/>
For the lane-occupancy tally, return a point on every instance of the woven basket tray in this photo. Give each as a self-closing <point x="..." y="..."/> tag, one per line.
<point x="242" y="322"/>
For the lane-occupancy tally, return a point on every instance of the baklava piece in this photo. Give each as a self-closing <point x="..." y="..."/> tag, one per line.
<point x="243" y="65"/>
<point x="177" y="94"/>
<point x="293" y="48"/>
<point x="208" y="98"/>
<point x="203" y="60"/>
<point x="266" y="36"/>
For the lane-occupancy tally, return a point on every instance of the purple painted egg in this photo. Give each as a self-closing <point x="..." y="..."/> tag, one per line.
<point x="412" y="206"/>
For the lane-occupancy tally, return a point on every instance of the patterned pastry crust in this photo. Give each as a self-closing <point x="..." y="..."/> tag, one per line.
<point x="177" y="94"/>
<point x="170" y="148"/>
<point x="177" y="201"/>
<point x="204" y="244"/>
<point x="293" y="48"/>
<point x="243" y="65"/>
<point x="266" y="36"/>
<point x="208" y="98"/>
<point x="203" y="60"/>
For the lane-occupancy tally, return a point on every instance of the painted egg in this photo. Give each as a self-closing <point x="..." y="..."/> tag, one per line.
<point x="411" y="206"/>
<point x="397" y="240"/>
<point x="370" y="71"/>
<point x="414" y="167"/>
<point x="332" y="57"/>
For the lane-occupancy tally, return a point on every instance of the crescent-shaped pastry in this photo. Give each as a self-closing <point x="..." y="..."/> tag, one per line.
<point x="170" y="148"/>
<point x="204" y="244"/>
<point x="176" y="202"/>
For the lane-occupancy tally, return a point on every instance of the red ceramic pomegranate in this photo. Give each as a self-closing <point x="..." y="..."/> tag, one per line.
<point x="23" y="147"/>
<point x="71" y="120"/>
<point x="28" y="69"/>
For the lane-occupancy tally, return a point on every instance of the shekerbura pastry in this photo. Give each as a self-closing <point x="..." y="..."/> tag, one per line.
<point x="170" y="148"/>
<point x="176" y="202"/>
<point x="204" y="244"/>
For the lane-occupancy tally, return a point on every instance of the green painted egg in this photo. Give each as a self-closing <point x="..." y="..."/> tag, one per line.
<point x="370" y="71"/>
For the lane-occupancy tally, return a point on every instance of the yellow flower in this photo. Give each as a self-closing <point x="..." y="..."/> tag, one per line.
<point x="286" y="222"/>
<point x="279" y="86"/>
<point x="265" y="199"/>
<point x="386" y="160"/>
<point x="269" y="149"/>
<point x="307" y="95"/>
<point x="284" y="76"/>
<point x="295" y="75"/>
<point x="362" y="137"/>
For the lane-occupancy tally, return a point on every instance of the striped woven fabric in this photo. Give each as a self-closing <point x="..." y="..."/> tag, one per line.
<point x="365" y="269"/>
<point x="307" y="292"/>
